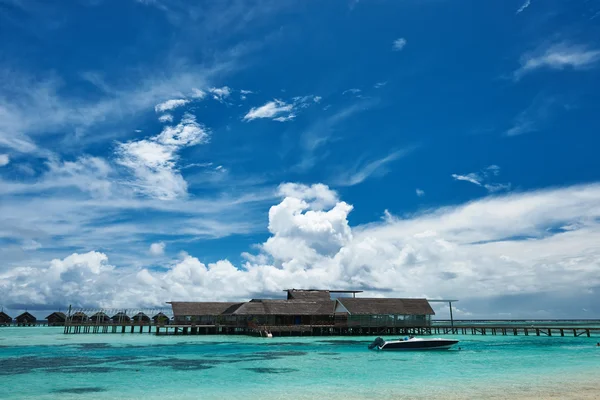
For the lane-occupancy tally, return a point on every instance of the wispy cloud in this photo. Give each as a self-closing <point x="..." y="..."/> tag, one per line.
<point x="351" y="91"/>
<point x="559" y="57"/>
<point x="198" y="94"/>
<point x="524" y="6"/>
<point x="170" y="105"/>
<point x="380" y="84"/>
<point x="377" y="168"/>
<point x="533" y="117"/>
<point x="165" y="118"/>
<point x="420" y="192"/>
<point x="399" y="44"/>
<point x="483" y="178"/>
<point x="272" y="109"/>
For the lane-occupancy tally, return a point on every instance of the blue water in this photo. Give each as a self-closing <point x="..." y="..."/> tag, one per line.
<point x="42" y="363"/>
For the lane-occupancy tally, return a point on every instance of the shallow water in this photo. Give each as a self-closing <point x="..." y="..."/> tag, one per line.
<point x="43" y="363"/>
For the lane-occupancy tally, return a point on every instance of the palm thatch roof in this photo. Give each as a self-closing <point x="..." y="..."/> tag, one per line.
<point x="375" y="306"/>
<point x="57" y="315"/>
<point x="4" y="317"/>
<point x="79" y="316"/>
<point x="25" y="317"/>
<point x="286" y="307"/>
<point x="100" y="317"/>
<point x="121" y="317"/>
<point x="161" y="316"/>
<point x="141" y="317"/>
<point x="185" y="308"/>
<point x="308" y="295"/>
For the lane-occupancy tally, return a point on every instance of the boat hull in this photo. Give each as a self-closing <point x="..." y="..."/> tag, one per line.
<point x="413" y="345"/>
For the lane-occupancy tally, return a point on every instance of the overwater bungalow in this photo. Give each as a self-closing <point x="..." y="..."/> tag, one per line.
<point x="5" y="319"/>
<point x="160" y="318"/>
<point x="79" y="316"/>
<point x="56" y="318"/>
<point x="25" y="319"/>
<point x="141" y="318"/>
<point x="121" y="318"/>
<point x="100" y="318"/>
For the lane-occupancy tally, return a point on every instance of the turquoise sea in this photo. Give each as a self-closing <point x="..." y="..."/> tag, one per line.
<point x="42" y="363"/>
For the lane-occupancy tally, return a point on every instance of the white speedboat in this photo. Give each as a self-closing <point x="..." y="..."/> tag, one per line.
<point x="412" y="343"/>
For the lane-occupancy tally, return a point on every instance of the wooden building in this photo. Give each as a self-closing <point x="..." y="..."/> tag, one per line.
<point x="56" y="319"/>
<point x="25" y="319"/>
<point x="121" y="318"/>
<point x="5" y="319"/>
<point x="306" y="310"/>
<point x="160" y="319"/>
<point x="100" y="318"/>
<point x="79" y="316"/>
<point x="141" y="318"/>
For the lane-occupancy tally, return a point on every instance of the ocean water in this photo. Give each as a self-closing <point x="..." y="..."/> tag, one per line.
<point x="43" y="363"/>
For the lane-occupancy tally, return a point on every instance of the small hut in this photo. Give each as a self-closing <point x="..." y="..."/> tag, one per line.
<point x="56" y="319"/>
<point x="121" y="318"/>
<point x="160" y="318"/>
<point x="5" y="319"/>
<point x="100" y="318"/>
<point x="79" y="316"/>
<point x="25" y="319"/>
<point x="141" y="318"/>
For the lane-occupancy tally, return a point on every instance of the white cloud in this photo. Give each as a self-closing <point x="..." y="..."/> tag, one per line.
<point x="483" y="179"/>
<point x="559" y="57"/>
<point x="165" y="118"/>
<point x="398" y="44"/>
<point x="317" y="99"/>
<point x="29" y="245"/>
<point x="221" y="93"/>
<point x="198" y="94"/>
<point x="526" y="4"/>
<point x="246" y="91"/>
<point x="420" y="192"/>
<point x="153" y="161"/>
<point x="271" y="109"/>
<point x="170" y="105"/>
<point x="4" y="160"/>
<point x="473" y="251"/>
<point x="533" y="118"/>
<point x="288" y="117"/>
<point x="374" y="168"/>
<point x="351" y="91"/>
<point x="380" y="84"/>
<point x="157" y="249"/>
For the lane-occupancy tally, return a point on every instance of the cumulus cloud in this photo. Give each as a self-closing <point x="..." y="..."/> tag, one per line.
<point x="157" y="249"/>
<point x="170" y="105"/>
<point x="165" y="118"/>
<point x="153" y="161"/>
<point x="220" y="94"/>
<point x="398" y="44"/>
<point x="272" y="109"/>
<point x="198" y="94"/>
<point x="475" y="251"/>
<point x="484" y="178"/>
<point x="558" y="56"/>
<point x="4" y="160"/>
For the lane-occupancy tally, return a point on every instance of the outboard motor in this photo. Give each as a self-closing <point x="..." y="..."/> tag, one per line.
<point x="377" y="343"/>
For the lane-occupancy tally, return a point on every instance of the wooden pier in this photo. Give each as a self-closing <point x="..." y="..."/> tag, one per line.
<point x="327" y="330"/>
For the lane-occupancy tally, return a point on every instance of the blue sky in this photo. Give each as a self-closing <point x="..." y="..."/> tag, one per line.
<point x="230" y="149"/>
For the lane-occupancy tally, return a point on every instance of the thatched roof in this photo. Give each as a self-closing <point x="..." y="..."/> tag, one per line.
<point x="183" y="308"/>
<point x="160" y="315"/>
<point x="100" y="316"/>
<point x="366" y="306"/>
<point x="286" y="307"/>
<point x="121" y="316"/>
<point x="57" y="314"/>
<point x="79" y="315"/>
<point x="308" y="295"/>
<point x="5" y="317"/>
<point x="141" y="317"/>
<point x="25" y="317"/>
